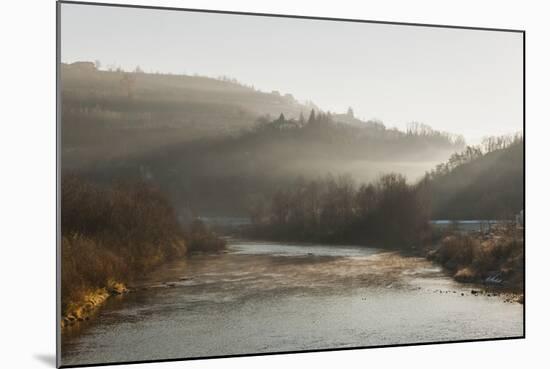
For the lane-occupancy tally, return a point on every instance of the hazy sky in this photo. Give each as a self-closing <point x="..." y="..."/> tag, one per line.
<point x="461" y="81"/>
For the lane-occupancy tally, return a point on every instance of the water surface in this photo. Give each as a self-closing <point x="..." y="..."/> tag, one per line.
<point x="269" y="297"/>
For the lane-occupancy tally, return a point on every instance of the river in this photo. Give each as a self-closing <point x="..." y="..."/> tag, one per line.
<point x="263" y="297"/>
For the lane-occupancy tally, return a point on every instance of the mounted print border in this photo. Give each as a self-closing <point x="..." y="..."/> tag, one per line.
<point x="198" y="207"/>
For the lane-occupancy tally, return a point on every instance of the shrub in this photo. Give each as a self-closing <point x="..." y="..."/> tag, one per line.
<point x="200" y="238"/>
<point x="478" y="257"/>
<point x="113" y="232"/>
<point x="500" y="254"/>
<point x="457" y="251"/>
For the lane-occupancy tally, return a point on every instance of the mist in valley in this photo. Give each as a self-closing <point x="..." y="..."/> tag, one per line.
<point x="213" y="143"/>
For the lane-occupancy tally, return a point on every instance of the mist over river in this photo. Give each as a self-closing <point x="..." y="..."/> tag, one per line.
<point x="269" y="297"/>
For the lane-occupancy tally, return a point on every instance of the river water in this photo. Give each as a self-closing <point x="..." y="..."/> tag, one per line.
<point x="270" y="297"/>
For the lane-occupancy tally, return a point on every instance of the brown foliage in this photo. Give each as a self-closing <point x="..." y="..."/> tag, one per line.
<point x="115" y="232"/>
<point x="458" y="251"/>
<point x="477" y="257"/>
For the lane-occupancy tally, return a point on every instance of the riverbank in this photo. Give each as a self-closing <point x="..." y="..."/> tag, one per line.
<point x="78" y="311"/>
<point x="494" y="259"/>
<point x="114" y="233"/>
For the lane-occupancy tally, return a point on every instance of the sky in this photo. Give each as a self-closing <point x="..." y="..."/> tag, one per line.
<point x="461" y="81"/>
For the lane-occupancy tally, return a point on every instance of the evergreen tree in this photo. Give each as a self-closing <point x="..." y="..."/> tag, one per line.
<point x="311" y="117"/>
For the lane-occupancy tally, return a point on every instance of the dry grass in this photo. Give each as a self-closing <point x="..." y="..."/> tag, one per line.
<point x="458" y="251"/>
<point x="475" y="257"/>
<point x="112" y="233"/>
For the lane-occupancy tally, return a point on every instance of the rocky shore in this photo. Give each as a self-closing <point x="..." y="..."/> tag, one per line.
<point x="507" y="296"/>
<point x="82" y="310"/>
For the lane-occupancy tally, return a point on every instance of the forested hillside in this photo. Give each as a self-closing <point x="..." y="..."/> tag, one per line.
<point x="481" y="182"/>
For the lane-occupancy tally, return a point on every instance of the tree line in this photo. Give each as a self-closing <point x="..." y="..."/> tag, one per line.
<point x="335" y="209"/>
<point x="332" y="129"/>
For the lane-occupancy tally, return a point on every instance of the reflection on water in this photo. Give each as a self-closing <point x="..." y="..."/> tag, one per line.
<point x="268" y="297"/>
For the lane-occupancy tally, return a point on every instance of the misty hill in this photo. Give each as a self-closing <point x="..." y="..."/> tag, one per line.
<point x="215" y="144"/>
<point x="474" y="185"/>
<point x="113" y="114"/>
<point x="223" y="174"/>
